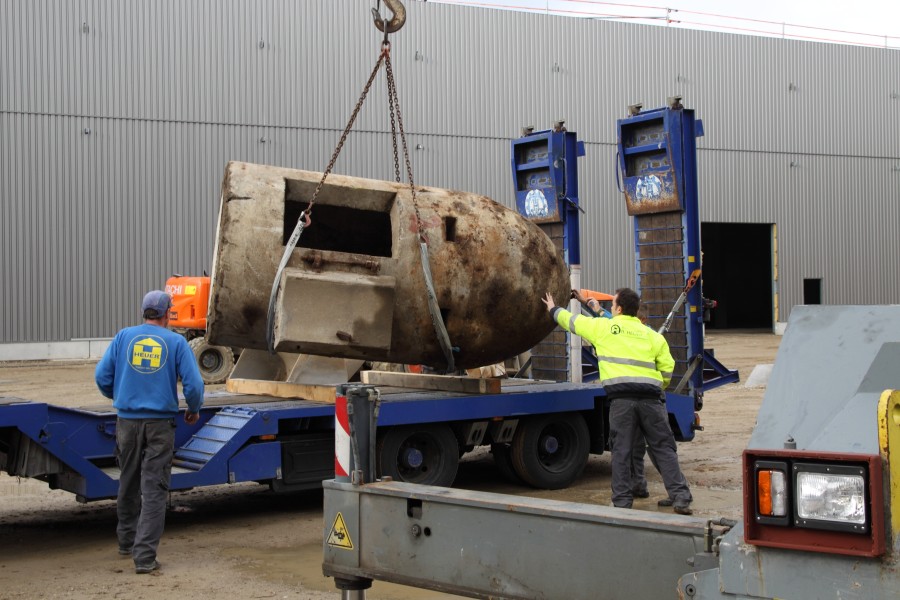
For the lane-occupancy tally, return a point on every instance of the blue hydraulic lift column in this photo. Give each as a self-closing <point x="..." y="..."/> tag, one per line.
<point x="545" y="180"/>
<point x="657" y="155"/>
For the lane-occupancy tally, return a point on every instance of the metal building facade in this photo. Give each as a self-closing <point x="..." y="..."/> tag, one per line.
<point x="118" y="117"/>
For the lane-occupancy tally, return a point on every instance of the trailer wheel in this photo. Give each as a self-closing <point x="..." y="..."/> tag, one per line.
<point x="503" y="460"/>
<point x="215" y="362"/>
<point x="419" y="454"/>
<point x="550" y="451"/>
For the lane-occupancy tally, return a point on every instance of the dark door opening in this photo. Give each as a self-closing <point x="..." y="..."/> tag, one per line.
<point x="812" y="291"/>
<point x="737" y="274"/>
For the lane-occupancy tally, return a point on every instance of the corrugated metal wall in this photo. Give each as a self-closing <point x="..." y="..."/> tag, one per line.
<point x="118" y="116"/>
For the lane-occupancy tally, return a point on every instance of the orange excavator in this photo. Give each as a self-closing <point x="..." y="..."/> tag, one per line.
<point x="605" y="300"/>
<point x="190" y="298"/>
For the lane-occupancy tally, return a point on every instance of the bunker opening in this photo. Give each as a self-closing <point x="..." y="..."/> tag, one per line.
<point x="343" y="220"/>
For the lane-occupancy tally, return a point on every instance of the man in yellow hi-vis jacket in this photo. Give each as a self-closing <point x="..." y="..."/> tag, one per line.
<point x="635" y="368"/>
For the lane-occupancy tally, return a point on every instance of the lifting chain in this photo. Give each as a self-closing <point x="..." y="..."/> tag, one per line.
<point x="340" y="145"/>
<point x="394" y="107"/>
<point x="437" y="321"/>
<point x="396" y="116"/>
<point x="306" y="216"/>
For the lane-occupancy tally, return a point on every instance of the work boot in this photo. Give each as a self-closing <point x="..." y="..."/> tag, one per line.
<point x="641" y="494"/>
<point x="665" y="502"/>
<point x="123" y="551"/>
<point x="683" y="509"/>
<point x="144" y="569"/>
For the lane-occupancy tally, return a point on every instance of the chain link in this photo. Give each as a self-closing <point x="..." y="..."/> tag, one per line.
<point x="440" y="328"/>
<point x="392" y="110"/>
<point x="437" y="320"/>
<point x="337" y="151"/>
<point x="394" y="102"/>
<point x="396" y="120"/>
<point x="305" y="216"/>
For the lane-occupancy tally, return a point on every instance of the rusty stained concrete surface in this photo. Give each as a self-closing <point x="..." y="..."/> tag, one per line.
<point x="490" y="267"/>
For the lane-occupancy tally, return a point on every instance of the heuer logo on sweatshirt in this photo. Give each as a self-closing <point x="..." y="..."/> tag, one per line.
<point x="148" y="353"/>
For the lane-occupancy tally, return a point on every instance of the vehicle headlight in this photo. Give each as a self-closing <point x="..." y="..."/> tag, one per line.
<point x="815" y="501"/>
<point x="830" y="497"/>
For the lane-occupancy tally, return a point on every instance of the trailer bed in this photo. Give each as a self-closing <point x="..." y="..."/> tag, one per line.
<point x="245" y="437"/>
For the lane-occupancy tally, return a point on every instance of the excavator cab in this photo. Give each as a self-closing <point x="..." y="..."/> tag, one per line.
<point x="190" y="299"/>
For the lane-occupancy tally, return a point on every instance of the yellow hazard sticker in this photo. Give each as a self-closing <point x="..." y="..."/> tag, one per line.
<point x="190" y="290"/>
<point x="339" y="536"/>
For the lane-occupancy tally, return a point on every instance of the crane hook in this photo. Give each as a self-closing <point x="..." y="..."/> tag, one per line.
<point x="397" y="20"/>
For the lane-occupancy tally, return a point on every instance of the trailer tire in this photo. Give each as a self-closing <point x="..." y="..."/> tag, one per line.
<point x="550" y="451"/>
<point x="503" y="460"/>
<point x="426" y="454"/>
<point x="215" y="362"/>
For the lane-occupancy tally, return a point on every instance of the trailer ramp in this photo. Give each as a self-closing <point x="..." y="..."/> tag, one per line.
<point x="213" y="436"/>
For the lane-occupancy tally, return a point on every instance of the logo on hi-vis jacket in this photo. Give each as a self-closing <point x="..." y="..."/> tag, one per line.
<point x="148" y="353"/>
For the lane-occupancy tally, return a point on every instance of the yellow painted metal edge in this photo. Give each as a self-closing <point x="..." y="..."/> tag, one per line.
<point x="889" y="437"/>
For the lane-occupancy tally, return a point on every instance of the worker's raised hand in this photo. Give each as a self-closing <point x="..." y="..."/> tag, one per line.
<point x="548" y="301"/>
<point x="578" y="296"/>
<point x="191" y="418"/>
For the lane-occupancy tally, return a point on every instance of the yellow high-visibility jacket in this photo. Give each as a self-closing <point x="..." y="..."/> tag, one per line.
<point x="634" y="360"/>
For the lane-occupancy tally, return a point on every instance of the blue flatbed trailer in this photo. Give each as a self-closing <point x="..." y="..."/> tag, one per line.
<point x="289" y="444"/>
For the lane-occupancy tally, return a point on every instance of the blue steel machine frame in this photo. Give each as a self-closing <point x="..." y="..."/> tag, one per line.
<point x="289" y="443"/>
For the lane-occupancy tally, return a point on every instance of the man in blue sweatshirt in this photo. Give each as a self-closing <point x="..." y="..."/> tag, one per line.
<point x="140" y="371"/>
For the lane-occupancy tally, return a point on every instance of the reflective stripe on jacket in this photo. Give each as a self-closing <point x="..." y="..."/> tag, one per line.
<point x="634" y="360"/>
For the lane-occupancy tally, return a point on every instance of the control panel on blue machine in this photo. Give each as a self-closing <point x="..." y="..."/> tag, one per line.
<point x="535" y="180"/>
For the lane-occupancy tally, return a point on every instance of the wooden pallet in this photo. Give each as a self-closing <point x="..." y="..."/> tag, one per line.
<point x="441" y="383"/>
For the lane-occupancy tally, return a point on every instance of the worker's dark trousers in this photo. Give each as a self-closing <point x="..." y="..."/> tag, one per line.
<point x="144" y="449"/>
<point x="638" y="451"/>
<point x="629" y="418"/>
<point x="638" y="480"/>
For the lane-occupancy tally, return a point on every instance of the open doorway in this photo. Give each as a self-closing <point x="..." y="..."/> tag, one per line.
<point x="812" y="291"/>
<point x="737" y="274"/>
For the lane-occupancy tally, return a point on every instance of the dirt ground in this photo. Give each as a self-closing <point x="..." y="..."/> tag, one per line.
<point x="244" y="542"/>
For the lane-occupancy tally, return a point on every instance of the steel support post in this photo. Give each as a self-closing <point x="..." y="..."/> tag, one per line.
<point x="574" y="307"/>
<point x="356" y="414"/>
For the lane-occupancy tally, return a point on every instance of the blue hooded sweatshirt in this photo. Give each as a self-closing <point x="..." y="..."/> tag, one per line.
<point x="140" y="372"/>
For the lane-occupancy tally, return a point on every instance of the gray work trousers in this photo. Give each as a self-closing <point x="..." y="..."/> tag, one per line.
<point x="638" y="451"/>
<point x="638" y="480"/>
<point x="629" y="418"/>
<point x="144" y="449"/>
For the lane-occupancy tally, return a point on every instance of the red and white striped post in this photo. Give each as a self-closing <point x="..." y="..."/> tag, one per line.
<point x="342" y="455"/>
<point x="354" y="434"/>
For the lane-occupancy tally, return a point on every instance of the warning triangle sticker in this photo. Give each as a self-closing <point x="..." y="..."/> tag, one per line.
<point x="339" y="536"/>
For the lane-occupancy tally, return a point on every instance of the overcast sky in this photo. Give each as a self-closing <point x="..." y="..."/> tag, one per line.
<point x="878" y="18"/>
